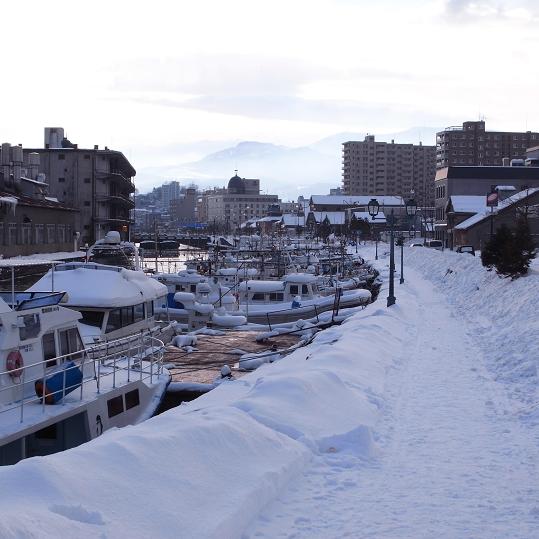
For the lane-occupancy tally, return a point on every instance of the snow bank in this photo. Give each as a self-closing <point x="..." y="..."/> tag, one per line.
<point x="206" y="468"/>
<point x="165" y="478"/>
<point x="500" y="312"/>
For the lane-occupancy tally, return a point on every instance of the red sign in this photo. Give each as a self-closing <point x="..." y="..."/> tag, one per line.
<point x="492" y="199"/>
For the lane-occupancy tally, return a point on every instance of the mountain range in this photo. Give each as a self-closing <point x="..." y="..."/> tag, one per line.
<point x="286" y="171"/>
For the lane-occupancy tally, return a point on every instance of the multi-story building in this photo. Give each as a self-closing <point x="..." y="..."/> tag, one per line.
<point x="170" y="191"/>
<point x="379" y="168"/>
<point x="238" y="203"/>
<point x="472" y="145"/>
<point x="183" y="208"/>
<point x="97" y="182"/>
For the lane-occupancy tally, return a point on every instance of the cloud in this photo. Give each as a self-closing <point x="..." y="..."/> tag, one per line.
<point x="473" y="10"/>
<point x="330" y="111"/>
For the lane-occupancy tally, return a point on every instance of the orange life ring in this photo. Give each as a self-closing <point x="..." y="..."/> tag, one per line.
<point x="15" y="364"/>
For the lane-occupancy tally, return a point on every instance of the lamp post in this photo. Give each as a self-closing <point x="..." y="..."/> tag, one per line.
<point x="374" y="208"/>
<point x="411" y="210"/>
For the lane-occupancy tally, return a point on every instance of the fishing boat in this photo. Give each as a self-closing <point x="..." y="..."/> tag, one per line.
<point x="113" y="251"/>
<point x="55" y="393"/>
<point x="114" y="302"/>
<point x="293" y="297"/>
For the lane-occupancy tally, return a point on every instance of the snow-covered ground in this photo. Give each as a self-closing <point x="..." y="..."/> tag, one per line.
<point x="416" y="421"/>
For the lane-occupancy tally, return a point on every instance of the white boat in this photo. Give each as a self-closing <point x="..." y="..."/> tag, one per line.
<point x="295" y="296"/>
<point x="114" y="302"/>
<point x="190" y="294"/>
<point x="112" y="250"/>
<point x="55" y="393"/>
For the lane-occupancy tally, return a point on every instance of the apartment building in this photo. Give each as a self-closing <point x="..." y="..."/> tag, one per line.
<point x="373" y="168"/>
<point x="472" y="145"/>
<point x="98" y="182"/>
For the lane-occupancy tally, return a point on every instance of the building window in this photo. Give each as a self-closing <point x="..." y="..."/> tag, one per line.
<point x="39" y="234"/>
<point x="87" y="180"/>
<point x="61" y="234"/>
<point x="51" y="233"/>
<point x="61" y="157"/>
<point x="61" y="180"/>
<point x="12" y="234"/>
<point x="86" y="202"/>
<point x="26" y="234"/>
<point x="86" y="156"/>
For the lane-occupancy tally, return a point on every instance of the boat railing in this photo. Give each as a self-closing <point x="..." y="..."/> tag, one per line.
<point x="139" y="356"/>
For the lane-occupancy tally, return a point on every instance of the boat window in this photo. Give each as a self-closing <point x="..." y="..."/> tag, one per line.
<point x="193" y="288"/>
<point x="92" y="318"/>
<point x="179" y="288"/>
<point x="294" y="289"/>
<point x="70" y="342"/>
<point x="139" y="312"/>
<point x="114" y="321"/>
<point x="258" y="296"/>
<point x="49" y="349"/>
<point x="29" y="326"/>
<point x="149" y="309"/>
<point x="132" y="399"/>
<point x="276" y="296"/>
<point x="304" y="289"/>
<point x="127" y="316"/>
<point x="115" y="405"/>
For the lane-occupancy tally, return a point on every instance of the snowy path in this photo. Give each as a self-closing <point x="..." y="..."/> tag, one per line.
<point x="449" y="465"/>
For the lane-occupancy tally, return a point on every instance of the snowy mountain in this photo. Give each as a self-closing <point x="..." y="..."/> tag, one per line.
<point x="284" y="170"/>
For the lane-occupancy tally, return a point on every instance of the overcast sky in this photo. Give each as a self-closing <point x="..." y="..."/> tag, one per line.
<point x="143" y="75"/>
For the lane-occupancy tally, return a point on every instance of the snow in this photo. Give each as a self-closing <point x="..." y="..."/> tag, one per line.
<point x="513" y="199"/>
<point x="96" y="286"/>
<point x="9" y="201"/>
<point x="414" y="421"/>
<point x="305" y="278"/>
<point x="350" y="201"/>
<point x="468" y="203"/>
<point x="334" y="217"/>
<point x="261" y="286"/>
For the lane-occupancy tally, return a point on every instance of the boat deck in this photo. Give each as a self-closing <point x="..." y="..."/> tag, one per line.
<point x="204" y="365"/>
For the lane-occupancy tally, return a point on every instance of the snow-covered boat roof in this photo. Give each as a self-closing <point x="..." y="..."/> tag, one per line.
<point x="261" y="286"/>
<point x="228" y="272"/>
<point x="299" y="278"/>
<point x="97" y="285"/>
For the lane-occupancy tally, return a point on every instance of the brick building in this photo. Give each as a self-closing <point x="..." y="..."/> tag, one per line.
<point x="472" y="145"/>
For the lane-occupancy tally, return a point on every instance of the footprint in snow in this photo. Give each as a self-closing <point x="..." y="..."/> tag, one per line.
<point x="78" y="513"/>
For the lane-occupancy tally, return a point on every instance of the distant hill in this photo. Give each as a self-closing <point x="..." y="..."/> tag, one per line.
<point x="288" y="172"/>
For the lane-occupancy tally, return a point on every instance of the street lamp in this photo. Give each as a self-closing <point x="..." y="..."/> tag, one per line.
<point x="374" y="208"/>
<point x="411" y="210"/>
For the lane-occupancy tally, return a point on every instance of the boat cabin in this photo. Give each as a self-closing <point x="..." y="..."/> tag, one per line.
<point x="295" y="284"/>
<point x="114" y="302"/>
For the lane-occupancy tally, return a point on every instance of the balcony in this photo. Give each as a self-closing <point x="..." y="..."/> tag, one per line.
<point x="119" y="176"/>
<point x="116" y="199"/>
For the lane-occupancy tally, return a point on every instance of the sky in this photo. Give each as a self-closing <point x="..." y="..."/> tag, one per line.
<point x="154" y="79"/>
